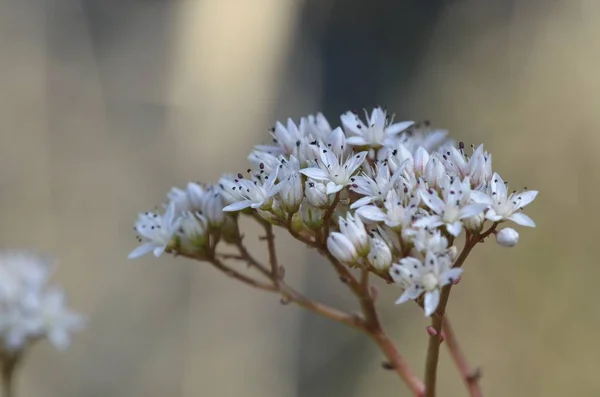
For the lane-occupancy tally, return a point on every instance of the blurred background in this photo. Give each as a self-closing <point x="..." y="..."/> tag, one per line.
<point x="104" y="105"/>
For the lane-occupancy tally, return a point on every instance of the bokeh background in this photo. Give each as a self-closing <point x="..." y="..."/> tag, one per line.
<point x="104" y="105"/>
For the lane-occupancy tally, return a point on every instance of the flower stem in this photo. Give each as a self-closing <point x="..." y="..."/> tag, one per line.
<point x="437" y="319"/>
<point x="469" y="376"/>
<point x="9" y="364"/>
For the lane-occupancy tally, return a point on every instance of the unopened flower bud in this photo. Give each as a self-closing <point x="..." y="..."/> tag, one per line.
<point x="380" y="255"/>
<point x="507" y="237"/>
<point x="316" y="193"/>
<point x="193" y="231"/>
<point x="434" y="171"/>
<point x="474" y="223"/>
<point x="291" y="193"/>
<point x="354" y="229"/>
<point x="341" y="247"/>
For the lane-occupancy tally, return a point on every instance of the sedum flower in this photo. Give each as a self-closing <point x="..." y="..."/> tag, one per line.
<point x="254" y="193"/>
<point x="378" y="131"/>
<point x="333" y="170"/>
<point x="453" y="207"/>
<point x="504" y="207"/>
<point x="426" y="277"/>
<point x="507" y="237"/>
<point x="156" y="231"/>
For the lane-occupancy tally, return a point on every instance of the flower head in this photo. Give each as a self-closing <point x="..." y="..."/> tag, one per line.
<point x="156" y="231"/>
<point x="505" y="207"/>
<point x="424" y="277"/>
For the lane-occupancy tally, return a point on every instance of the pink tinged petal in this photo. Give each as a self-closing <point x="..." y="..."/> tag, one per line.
<point x="141" y="250"/>
<point x="432" y="200"/>
<point x="527" y="197"/>
<point x="158" y="251"/>
<point x="333" y="188"/>
<point x="450" y="276"/>
<point x="410" y="293"/>
<point x="454" y="228"/>
<point x="421" y="159"/>
<point x="492" y="215"/>
<point x="240" y="205"/>
<point x="371" y="213"/>
<point x="432" y="299"/>
<point x="470" y="210"/>
<point x="429" y="221"/>
<point x="356" y="141"/>
<point x="498" y="186"/>
<point x="481" y="198"/>
<point x="361" y="202"/>
<point x="521" y="219"/>
<point x="399" y="127"/>
<point x="315" y="173"/>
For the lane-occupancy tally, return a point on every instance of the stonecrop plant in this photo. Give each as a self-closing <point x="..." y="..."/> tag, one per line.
<point x="375" y="197"/>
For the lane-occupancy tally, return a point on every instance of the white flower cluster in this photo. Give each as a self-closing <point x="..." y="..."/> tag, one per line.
<point x="29" y="308"/>
<point x="393" y="195"/>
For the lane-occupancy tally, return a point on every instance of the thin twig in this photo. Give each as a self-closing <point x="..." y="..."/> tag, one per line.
<point x="437" y="319"/>
<point x="241" y="277"/>
<point x="469" y="376"/>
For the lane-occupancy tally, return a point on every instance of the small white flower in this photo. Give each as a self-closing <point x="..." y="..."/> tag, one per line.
<point x="156" y="231"/>
<point x="334" y="170"/>
<point x="422" y="135"/>
<point x="341" y="247"/>
<point x="378" y="131"/>
<point x="395" y="213"/>
<point x="316" y="126"/>
<point x="454" y="207"/>
<point x="58" y="322"/>
<point x="353" y="228"/>
<point x="380" y="255"/>
<point x="428" y="276"/>
<point x="507" y="237"/>
<point x="375" y="188"/>
<point x="426" y="240"/>
<point x="504" y="207"/>
<point x="255" y="193"/>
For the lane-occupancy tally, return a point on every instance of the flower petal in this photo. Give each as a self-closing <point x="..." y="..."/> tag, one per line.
<point x="315" y="173"/>
<point x="432" y="299"/>
<point x="333" y="188"/>
<point x="371" y="213"/>
<point x="527" y="197"/>
<point x="240" y="205"/>
<point x="399" y="127"/>
<point x="450" y="276"/>
<point x="141" y="250"/>
<point x="356" y="141"/>
<point x="361" y="202"/>
<point x="409" y="294"/>
<point x="470" y="210"/>
<point x="481" y="198"/>
<point x="521" y="219"/>
<point x="429" y="221"/>
<point x="454" y="228"/>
